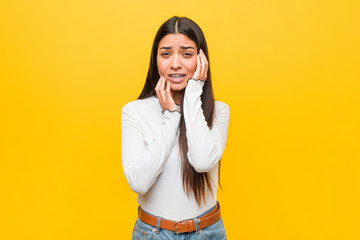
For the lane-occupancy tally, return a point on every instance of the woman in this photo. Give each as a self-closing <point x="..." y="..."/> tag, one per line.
<point x="173" y="137"/>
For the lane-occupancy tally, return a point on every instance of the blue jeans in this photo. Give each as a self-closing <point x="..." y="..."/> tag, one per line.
<point x="143" y="231"/>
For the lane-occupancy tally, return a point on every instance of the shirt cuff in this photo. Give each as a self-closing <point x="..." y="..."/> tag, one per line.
<point x="197" y="81"/>
<point x="163" y="111"/>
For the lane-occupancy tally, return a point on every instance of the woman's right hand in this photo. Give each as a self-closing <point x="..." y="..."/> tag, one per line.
<point x="164" y="95"/>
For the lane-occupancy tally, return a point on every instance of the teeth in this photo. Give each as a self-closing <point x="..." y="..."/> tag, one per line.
<point x="177" y="75"/>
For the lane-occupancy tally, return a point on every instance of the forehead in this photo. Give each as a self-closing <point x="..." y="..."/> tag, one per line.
<point x="174" y="40"/>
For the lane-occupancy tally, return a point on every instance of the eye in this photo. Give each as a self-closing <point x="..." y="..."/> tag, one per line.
<point x="165" y="54"/>
<point x="188" y="54"/>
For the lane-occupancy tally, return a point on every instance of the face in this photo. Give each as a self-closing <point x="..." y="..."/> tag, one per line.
<point x="176" y="59"/>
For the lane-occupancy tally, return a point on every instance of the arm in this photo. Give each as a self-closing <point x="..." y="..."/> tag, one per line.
<point x="205" y="146"/>
<point x="142" y="164"/>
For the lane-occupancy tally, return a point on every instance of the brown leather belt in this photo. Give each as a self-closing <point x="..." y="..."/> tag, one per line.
<point x="182" y="226"/>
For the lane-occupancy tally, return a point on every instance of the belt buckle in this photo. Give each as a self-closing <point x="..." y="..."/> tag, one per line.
<point x="181" y="222"/>
<point x="176" y="227"/>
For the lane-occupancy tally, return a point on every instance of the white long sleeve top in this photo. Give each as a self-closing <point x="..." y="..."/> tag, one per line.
<point x="151" y="158"/>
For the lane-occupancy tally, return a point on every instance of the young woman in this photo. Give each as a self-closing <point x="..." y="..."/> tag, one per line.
<point x="173" y="137"/>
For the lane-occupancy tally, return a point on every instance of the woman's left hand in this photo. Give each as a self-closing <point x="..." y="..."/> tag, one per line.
<point x="201" y="67"/>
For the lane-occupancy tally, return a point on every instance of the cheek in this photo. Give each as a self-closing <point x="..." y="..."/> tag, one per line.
<point x="161" y="64"/>
<point x="192" y="65"/>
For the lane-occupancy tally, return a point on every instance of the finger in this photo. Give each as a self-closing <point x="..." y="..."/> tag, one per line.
<point x="157" y="87"/>
<point x="201" y="62"/>
<point x="168" y="93"/>
<point x="198" y="67"/>
<point x="203" y="66"/>
<point x="205" y="58"/>
<point x="162" y="89"/>
<point x="162" y="83"/>
<point x="206" y="65"/>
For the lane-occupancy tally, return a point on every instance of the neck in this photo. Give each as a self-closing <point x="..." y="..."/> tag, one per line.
<point x="176" y="95"/>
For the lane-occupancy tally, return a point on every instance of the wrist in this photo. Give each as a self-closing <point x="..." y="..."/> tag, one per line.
<point x="171" y="109"/>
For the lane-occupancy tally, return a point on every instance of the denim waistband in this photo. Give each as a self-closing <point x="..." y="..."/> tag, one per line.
<point x="188" y="218"/>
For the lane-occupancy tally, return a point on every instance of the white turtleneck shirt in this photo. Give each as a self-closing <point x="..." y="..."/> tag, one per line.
<point x="151" y="158"/>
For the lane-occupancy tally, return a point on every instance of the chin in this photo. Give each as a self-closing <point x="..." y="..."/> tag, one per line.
<point x="178" y="87"/>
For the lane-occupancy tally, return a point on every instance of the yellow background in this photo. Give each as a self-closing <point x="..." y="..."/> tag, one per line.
<point x="289" y="70"/>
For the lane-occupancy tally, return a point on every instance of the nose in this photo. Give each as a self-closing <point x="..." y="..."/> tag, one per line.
<point x="175" y="62"/>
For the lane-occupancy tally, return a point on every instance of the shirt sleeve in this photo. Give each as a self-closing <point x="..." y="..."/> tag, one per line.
<point x="205" y="145"/>
<point x="143" y="163"/>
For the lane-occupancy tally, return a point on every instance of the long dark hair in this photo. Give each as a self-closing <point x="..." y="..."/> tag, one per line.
<point x="193" y="181"/>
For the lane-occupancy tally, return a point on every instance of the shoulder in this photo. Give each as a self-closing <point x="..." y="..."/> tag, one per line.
<point x="139" y="105"/>
<point x="221" y="108"/>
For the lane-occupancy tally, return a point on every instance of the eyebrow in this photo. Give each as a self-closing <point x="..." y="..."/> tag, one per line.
<point x="183" y="47"/>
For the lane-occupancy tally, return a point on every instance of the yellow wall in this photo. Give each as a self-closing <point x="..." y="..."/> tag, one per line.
<point x="289" y="70"/>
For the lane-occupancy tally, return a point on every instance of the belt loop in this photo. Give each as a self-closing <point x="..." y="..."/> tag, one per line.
<point x="196" y="222"/>
<point x="158" y="224"/>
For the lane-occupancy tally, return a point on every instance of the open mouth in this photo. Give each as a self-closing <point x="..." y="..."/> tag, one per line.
<point x="177" y="75"/>
<point x="177" y="78"/>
